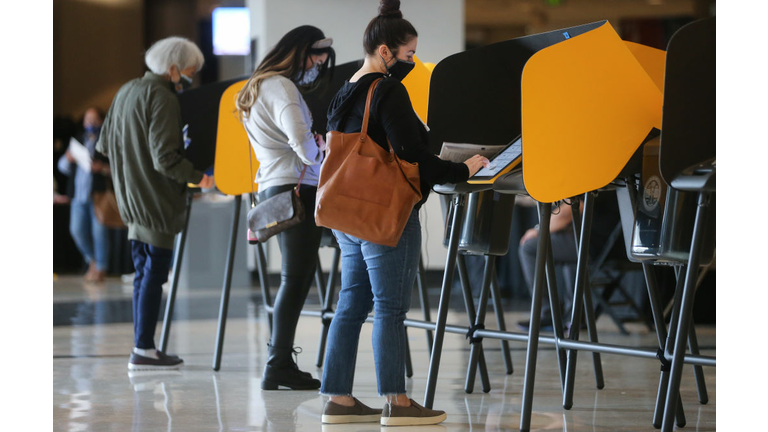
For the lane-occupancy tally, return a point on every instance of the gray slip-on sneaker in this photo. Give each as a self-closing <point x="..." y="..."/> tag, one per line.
<point x="358" y="413"/>
<point x="414" y="415"/>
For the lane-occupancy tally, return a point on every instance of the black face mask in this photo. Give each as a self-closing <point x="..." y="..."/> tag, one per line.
<point x="400" y="69"/>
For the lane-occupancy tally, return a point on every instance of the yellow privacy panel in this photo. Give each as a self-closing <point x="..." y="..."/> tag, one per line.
<point x="587" y="105"/>
<point x="231" y="167"/>
<point x="652" y="60"/>
<point x="417" y="84"/>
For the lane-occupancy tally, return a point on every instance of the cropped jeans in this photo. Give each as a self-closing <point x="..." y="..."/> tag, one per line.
<point x="378" y="278"/>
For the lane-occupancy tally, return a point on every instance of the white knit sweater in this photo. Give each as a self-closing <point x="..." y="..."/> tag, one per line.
<point x="279" y="128"/>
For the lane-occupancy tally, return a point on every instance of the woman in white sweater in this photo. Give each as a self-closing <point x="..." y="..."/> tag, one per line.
<point x="279" y="127"/>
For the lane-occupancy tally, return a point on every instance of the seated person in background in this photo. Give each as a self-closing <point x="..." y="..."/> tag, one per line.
<point x="565" y="252"/>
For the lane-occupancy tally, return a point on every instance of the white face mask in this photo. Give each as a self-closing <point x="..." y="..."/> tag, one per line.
<point x="310" y="75"/>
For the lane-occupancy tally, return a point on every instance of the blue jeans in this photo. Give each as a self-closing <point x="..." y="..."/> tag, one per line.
<point x="380" y="278"/>
<point x="152" y="264"/>
<point x="90" y="236"/>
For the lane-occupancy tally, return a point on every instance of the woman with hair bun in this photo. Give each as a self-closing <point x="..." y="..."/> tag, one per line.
<point x="377" y="276"/>
<point x="279" y="127"/>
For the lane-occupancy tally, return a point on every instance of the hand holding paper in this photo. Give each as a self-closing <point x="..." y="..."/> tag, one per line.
<point x="81" y="154"/>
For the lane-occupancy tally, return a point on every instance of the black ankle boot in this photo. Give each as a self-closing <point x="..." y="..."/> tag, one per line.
<point x="282" y="370"/>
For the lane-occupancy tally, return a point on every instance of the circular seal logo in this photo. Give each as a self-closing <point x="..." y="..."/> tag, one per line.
<point x="651" y="193"/>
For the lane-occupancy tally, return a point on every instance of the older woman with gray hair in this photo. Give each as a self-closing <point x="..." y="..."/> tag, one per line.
<point x="142" y="137"/>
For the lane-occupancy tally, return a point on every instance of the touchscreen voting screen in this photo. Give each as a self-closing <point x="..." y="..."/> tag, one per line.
<point x="509" y="156"/>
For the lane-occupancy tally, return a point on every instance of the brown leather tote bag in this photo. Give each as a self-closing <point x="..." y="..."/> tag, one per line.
<point x="364" y="190"/>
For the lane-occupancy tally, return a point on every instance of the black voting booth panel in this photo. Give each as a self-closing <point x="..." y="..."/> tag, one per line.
<point x="688" y="122"/>
<point x="475" y="95"/>
<point x="319" y="100"/>
<point x="200" y="110"/>
<point x="687" y="163"/>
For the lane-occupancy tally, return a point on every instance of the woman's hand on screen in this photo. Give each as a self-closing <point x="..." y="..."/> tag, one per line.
<point x="475" y="163"/>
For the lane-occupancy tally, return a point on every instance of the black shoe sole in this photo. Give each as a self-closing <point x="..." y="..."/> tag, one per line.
<point x="273" y="385"/>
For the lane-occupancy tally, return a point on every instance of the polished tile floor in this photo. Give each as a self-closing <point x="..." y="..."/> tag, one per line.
<point x="93" y="391"/>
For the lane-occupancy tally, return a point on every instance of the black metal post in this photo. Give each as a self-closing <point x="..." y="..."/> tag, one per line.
<point x="589" y="310"/>
<point x="330" y="293"/>
<point x="666" y="354"/>
<point x="477" y="343"/>
<point x="554" y="307"/>
<point x="578" y="294"/>
<point x="421" y="280"/>
<point x="170" y="302"/>
<point x="545" y="210"/>
<point x="686" y="310"/>
<point x="224" y="306"/>
<point x="498" y="309"/>
<point x="445" y="299"/>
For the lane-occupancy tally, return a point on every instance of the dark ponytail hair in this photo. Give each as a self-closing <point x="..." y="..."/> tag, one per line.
<point x="388" y="28"/>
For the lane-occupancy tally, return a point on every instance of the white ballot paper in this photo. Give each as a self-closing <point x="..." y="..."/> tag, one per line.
<point x="81" y="154"/>
<point x="455" y="152"/>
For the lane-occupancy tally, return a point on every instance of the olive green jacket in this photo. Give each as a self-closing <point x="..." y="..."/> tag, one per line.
<point x="142" y="137"/>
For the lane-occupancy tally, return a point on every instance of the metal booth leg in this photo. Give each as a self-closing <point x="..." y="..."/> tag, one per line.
<point x="661" y="336"/>
<point x="545" y="210"/>
<point x="578" y="293"/>
<point x="499" y="311"/>
<point x="320" y="281"/>
<point x="224" y="306"/>
<point x="698" y="371"/>
<point x="181" y="240"/>
<point x="408" y="362"/>
<point x="686" y="310"/>
<point x="421" y="281"/>
<point x="589" y="310"/>
<point x="665" y="364"/>
<point x="657" y="314"/>
<point x="554" y="307"/>
<point x="330" y="293"/>
<point x="693" y="346"/>
<point x="458" y="204"/>
<point x="469" y="305"/>
<point x="479" y="323"/>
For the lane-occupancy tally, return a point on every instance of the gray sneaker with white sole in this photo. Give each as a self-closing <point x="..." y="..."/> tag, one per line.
<point x="414" y="415"/>
<point x="334" y="413"/>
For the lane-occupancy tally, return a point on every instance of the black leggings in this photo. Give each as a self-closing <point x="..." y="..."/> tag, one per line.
<point x="299" y="246"/>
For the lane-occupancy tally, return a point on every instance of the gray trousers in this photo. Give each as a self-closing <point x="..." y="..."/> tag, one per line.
<point x="564" y="252"/>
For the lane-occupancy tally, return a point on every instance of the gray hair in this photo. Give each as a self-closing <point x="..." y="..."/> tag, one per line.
<point x="171" y="51"/>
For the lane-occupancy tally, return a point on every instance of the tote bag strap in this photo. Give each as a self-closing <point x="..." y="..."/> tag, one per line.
<point x="364" y="131"/>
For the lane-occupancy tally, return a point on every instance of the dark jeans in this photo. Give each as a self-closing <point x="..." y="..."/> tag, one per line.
<point x="151" y="264"/>
<point x="298" y="246"/>
<point x="563" y="252"/>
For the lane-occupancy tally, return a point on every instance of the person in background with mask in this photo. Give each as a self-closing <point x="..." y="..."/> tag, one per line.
<point x="142" y="137"/>
<point x="279" y="127"/>
<point x="372" y="274"/>
<point x="90" y="236"/>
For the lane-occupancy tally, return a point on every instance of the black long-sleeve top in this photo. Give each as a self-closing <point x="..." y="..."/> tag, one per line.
<point x="392" y="117"/>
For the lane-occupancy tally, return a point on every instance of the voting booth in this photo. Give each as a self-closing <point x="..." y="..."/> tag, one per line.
<point x="605" y="96"/>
